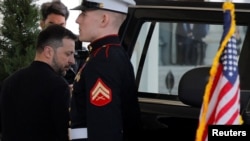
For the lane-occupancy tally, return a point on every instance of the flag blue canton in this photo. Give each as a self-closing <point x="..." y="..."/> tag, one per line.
<point x="229" y="60"/>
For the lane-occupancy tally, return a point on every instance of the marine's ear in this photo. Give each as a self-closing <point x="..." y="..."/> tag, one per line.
<point x="105" y="19"/>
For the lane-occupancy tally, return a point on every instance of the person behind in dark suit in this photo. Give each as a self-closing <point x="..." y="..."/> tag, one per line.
<point x="34" y="100"/>
<point x="200" y="31"/>
<point x="183" y="43"/>
<point x="56" y="12"/>
<point x="104" y="104"/>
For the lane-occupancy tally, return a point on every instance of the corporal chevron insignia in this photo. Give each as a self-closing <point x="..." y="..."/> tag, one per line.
<point x="100" y="94"/>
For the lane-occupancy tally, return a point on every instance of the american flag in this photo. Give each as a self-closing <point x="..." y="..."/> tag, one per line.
<point x="221" y="101"/>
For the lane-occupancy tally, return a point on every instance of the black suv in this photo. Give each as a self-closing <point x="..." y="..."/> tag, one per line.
<point x="171" y="79"/>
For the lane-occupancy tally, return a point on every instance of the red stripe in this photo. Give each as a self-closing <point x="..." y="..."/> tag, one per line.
<point x="233" y="118"/>
<point x="230" y="102"/>
<point x="216" y="79"/>
<point x="210" y="119"/>
<point x="222" y="93"/>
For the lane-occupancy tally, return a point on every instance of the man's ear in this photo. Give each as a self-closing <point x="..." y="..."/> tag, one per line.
<point x="42" y="24"/>
<point x="105" y="20"/>
<point x="48" y="51"/>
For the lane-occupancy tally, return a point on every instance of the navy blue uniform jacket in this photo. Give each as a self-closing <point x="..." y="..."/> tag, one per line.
<point x="34" y="105"/>
<point x="104" y="101"/>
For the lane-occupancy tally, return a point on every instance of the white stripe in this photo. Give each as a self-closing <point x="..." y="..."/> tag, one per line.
<point x="78" y="133"/>
<point x="227" y="97"/>
<point x="214" y="96"/>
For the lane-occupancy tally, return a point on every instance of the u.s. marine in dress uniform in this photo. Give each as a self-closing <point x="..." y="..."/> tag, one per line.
<point x="104" y="104"/>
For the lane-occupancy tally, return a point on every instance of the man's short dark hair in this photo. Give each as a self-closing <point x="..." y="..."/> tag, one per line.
<point x="53" y="36"/>
<point x="55" y="7"/>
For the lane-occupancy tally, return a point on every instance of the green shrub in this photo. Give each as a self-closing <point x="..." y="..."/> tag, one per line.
<point x="18" y="34"/>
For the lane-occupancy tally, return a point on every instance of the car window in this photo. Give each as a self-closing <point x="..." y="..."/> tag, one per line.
<point x="172" y="48"/>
